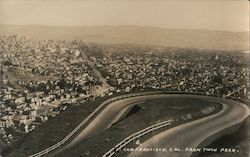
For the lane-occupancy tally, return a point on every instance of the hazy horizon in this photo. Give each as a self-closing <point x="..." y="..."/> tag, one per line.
<point x="223" y="40"/>
<point x="219" y="15"/>
<point x="194" y="29"/>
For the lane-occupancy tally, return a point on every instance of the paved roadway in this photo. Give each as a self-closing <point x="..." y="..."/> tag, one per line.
<point x="111" y="114"/>
<point x="233" y="112"/>
<point x="190" y="135"/>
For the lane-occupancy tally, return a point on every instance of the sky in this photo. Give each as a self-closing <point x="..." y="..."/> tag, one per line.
<point x="227" y="15"/>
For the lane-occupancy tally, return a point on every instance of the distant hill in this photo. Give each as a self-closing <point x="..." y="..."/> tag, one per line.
<point x="136" y="34"/>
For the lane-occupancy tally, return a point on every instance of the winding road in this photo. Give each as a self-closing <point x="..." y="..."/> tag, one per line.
<point x="187" y="135"/>
<point x="180" y="139"/>
<point x="110" y="115"/>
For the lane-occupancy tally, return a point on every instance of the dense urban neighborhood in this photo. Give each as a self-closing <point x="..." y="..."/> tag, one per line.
<point x="42" y="78"/>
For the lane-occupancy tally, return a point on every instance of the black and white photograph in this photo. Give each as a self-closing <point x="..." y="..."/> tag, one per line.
<point x="124" y="78"/>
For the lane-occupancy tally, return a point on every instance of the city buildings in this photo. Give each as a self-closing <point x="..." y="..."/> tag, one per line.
<point x="41" y="79"/>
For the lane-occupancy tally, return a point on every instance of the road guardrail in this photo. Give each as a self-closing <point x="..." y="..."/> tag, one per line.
<point x="136" y="135"/>
<point x="106" y="102"/>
